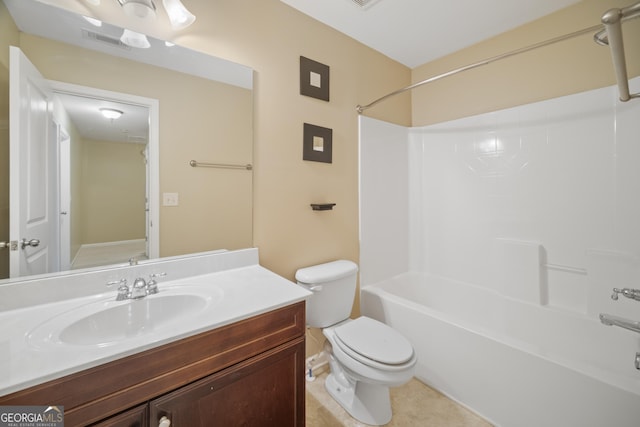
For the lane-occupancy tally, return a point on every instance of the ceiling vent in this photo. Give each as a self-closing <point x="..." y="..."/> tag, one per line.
<point x="112" y="41"/>
<point x="365" y="4"/>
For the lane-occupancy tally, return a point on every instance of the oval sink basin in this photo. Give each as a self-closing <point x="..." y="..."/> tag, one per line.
<point x="129" y="320"/>
<point x="107" y="322"/>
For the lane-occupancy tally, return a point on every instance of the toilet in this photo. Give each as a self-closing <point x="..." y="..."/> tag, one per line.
<point x="367" y="356"/>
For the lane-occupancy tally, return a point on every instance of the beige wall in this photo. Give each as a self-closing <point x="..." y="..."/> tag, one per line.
<point x="561" y="69"/>
<point x="113" y="192"/>
<point x="9" y="34"/>
<point x="270" y="36"/>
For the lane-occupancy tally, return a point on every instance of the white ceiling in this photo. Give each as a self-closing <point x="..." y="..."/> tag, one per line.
<point x="414" y="32"/>
<point x="132" y="126"/>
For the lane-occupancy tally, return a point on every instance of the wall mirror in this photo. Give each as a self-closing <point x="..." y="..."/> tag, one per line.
<point x="127" y="188"/>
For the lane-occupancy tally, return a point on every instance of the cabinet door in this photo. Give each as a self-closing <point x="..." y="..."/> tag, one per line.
<point x="266" y="390"/>
<point x="135" y="417"/>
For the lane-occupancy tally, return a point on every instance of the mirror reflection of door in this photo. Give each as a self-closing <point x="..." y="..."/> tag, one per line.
<point x="92" y="178"/>
<point x="32" y="231"/>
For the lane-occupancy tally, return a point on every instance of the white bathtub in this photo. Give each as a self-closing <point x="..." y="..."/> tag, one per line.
<point x="514" y="363"/>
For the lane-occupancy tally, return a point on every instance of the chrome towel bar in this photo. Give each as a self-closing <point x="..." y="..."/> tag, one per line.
<point x="195" y="164"/>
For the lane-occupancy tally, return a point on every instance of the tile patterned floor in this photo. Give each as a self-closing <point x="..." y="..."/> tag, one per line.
<point x="413" y="404"/>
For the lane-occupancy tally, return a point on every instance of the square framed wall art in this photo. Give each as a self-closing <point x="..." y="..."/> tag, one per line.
<point x="314" y="79"/>
<point x="317" y="144"/>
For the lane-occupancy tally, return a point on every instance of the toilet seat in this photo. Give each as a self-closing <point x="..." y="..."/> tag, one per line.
<point x="374" y="344"/>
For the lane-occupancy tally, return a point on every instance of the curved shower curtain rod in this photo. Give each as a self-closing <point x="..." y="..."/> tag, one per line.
<point x="611" y="25"/>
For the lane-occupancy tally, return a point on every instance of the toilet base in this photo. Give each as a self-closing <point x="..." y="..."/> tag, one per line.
<point x="367" y="403"/>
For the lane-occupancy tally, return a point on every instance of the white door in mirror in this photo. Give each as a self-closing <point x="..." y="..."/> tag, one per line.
<point x="32" y="170"/>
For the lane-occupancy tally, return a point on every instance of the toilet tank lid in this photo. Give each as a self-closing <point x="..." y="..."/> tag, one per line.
<point x="326" y="272"/>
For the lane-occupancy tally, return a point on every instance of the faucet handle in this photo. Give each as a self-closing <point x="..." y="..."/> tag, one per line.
<point x="629" y="293"/>
<point x="152" y="284"/>
<point x="123" y="289"/>
<point x="614" y="295"/>
<point x="117" y="282"/>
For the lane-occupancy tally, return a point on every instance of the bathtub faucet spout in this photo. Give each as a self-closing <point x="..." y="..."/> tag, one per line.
<point x="611" y="320"/>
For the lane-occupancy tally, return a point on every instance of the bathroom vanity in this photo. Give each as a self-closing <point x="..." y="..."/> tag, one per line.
<point x="236" y="360"/>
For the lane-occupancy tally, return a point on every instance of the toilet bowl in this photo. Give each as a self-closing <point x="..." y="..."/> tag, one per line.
<point x="367" y="356"/>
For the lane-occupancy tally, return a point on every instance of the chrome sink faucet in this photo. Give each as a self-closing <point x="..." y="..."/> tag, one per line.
<point x="140" y="288"/>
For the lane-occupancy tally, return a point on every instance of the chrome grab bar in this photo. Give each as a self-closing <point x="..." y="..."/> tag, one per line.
<point x="611" y="320"/>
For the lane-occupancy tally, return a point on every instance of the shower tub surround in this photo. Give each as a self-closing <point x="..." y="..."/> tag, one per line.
<point x="505" y="235"/>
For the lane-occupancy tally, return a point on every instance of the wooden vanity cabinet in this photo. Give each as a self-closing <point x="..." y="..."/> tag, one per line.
<point x="257" y="392"/>
<point x="248" y="373"/>
<point x="135" y="417"/>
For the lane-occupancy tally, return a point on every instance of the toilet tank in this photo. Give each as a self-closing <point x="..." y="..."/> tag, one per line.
<point x="333" y="286"/>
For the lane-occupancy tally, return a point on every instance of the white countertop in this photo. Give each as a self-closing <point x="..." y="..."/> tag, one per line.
<point x="236" y="294"/>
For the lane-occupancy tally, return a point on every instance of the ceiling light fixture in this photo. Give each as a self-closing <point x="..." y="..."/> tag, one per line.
<point x="140" y="9"/>
<point x="133" y="39"/>
<point x="111" y="113"/>
<point x="178" y="15"/>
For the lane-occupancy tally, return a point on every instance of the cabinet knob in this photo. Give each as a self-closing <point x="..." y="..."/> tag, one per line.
<point x="164" y="422"/>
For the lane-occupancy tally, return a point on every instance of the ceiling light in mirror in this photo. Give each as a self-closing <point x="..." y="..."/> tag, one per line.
<point x="140" y="9"/>
<point x="111" y="113"/>
<point x="145" y="10"/>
